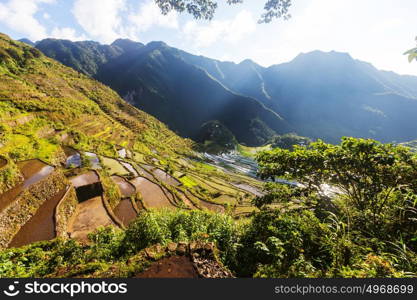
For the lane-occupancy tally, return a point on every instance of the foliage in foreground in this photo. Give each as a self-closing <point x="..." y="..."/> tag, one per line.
<point x="273" y="244"/>
<point x="299" y="231"/>
<point x="110" y="246"/>
<point x="370" y="215"/>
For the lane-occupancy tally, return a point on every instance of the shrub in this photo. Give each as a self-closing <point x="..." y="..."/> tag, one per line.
<point x="180" y="226"/>
<point x="274" y="242"/>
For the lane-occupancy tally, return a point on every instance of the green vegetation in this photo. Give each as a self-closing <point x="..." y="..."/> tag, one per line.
<point x="44" y="105"/>
<point x="287" y="141"/>
<point x="216" y="138"/>
<point x="366" y="229"/>
<point x="111" y="191"/>
<point x="113" y="166"/>
<point x="251" y="151"/>
<point x="113" y="248"/>
<point x="9" y="174"/>
<point x="188" y="182"/>
<point x="352" y="214"/>
<point x="206" y="10"/>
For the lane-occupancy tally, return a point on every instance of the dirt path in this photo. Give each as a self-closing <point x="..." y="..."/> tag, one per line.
<point x="152" y="194"/>
<point x="171" y="267"/>
<point x="41" y="227"/>
<point x="89" y="215"/>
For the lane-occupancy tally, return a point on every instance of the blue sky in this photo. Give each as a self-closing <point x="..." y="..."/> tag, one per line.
<point x="377" y="31"/>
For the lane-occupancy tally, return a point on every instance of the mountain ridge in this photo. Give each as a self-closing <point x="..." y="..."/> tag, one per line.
<point x="317" y="94"/>
<point x="140" y="76"/>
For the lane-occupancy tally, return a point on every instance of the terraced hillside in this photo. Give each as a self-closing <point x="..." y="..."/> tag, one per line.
<point x="74" y="157"/>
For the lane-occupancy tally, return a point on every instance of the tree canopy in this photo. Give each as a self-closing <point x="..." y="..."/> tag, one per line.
<point x="206" y="9"/>
<point x="367" y="173"/>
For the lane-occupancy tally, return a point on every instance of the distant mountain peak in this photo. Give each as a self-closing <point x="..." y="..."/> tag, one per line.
<point x="127" y="44"/>
<point x="248" y="62"/>
<point x="156" y="44"/>
<point x="27" y="41"/>
<point x="319" y="54"/>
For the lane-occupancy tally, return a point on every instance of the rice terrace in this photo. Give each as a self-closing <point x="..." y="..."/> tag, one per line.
<point x="265" y="155"/>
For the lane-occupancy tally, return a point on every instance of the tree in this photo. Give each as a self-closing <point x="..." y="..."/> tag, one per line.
<point x="412" y="53"/>
<point x="367" y="172"/>
<point x="206" y="9"/>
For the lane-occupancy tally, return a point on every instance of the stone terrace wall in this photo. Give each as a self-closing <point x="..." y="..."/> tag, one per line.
<point x="26" y="205"/>
<point x="64" y="211"/>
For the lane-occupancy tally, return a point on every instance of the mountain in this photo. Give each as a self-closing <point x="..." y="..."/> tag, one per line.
<point x="326" y="95"/>
<point x="156" y="79"/>
<point x="27" y="41"/>
<point x="319" y="94"/>
<point x="86" y="57"/>
<point x="329" y="95"/>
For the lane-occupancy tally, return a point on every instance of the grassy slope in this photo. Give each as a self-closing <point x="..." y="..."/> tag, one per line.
<point x="42" y="100"/>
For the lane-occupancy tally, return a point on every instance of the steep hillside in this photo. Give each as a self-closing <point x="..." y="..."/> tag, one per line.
<point x="38" y="91"/>
<point x="85" y="57"/>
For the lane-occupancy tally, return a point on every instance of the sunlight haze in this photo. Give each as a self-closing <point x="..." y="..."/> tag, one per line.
<point x="376" y="31"/>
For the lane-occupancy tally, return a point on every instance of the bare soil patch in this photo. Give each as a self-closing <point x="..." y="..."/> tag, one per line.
<point x="171" y="267"/>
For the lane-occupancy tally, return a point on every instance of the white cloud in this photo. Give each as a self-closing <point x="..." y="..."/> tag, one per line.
<point x="107" y="20"/>
<point x="149" y="15"/>
<point x="101" y="19"/>
<point x="46" y="16"/>
<point x="377" y="31"/>
<point x="19" y="16"/>
<point x="66" y="33"/>
<point x="234" y="30"/>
